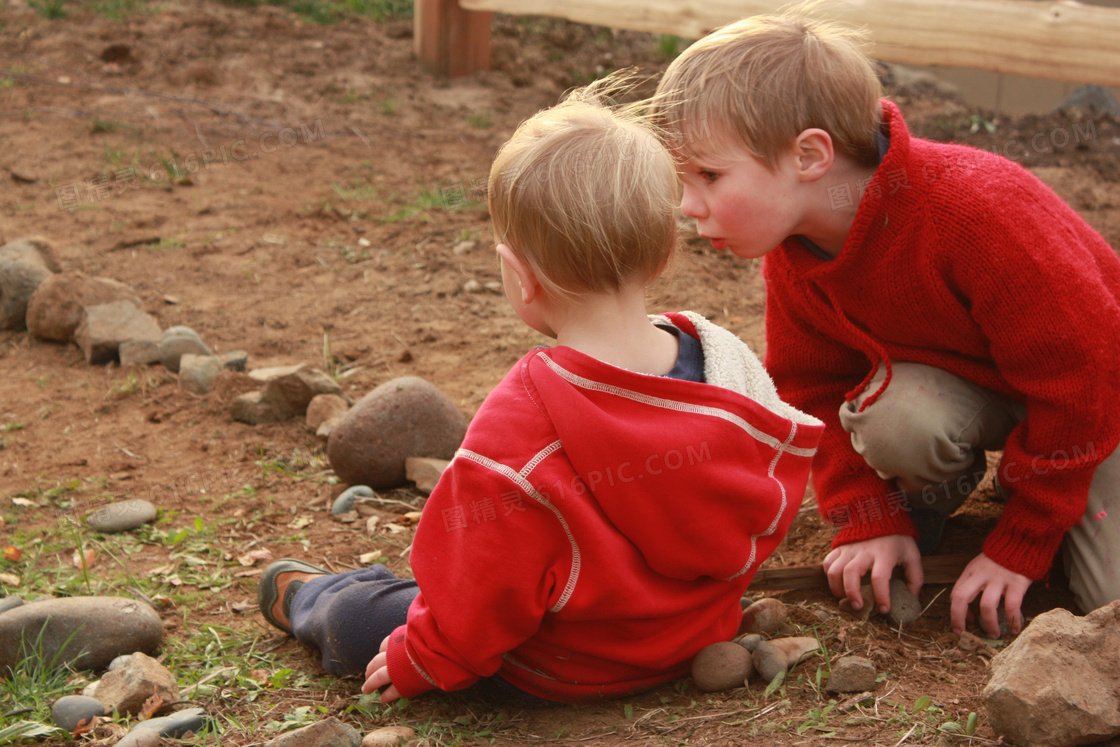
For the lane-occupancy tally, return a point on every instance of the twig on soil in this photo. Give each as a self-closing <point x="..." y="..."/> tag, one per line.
<point x="906" y="735"/>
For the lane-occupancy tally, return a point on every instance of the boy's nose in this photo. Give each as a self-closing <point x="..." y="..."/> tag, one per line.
<point x="691" y="205"/>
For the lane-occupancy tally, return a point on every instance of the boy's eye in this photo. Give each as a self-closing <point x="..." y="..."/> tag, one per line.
<point x="708" y="176"/>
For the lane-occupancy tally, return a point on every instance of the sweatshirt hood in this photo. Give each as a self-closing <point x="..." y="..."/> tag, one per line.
<point x="707" y="468"/>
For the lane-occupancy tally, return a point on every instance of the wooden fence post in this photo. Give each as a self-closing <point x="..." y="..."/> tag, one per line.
<point x="449" y="40"/>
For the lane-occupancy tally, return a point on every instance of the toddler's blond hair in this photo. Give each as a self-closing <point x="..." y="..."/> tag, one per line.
<point x="757" y="84"/>
<point x="586" y="194"/>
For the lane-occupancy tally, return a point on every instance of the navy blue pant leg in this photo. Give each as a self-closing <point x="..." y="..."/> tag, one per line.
<point x="347" y="615"/>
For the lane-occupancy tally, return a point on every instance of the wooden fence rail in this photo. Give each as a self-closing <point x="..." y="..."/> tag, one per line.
<point x="1063" y="40"/>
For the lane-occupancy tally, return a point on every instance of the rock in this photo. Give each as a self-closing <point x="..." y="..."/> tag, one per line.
<point x="140" y="737"/>
<point x="852" y="674"/>
<point x="750" y="641"/>
<point x="178" y="341"/>
<point x="1056" y="683"/>
<point x="325" y="409"/>
<point x="905" y="607"/>
<point x="70" y="710"/>
<point x="10" y="602"/>
<point x="121" y="516"/>
<point x="24" y="264"/>
<point x="235" y="360"/>
<point x="127" y="687"/>
<point x="346" y="499"/>
<point x="174" y="725"/>
<point x="117" y="663"/>
<point x="796" y="649"/>
<point x="105" y="326"/>
<point x="766" y="616"/>
<point x="769" y="660"/>
<point x="388" y="736"/>
<point x="1093" y="100"/>
<point x="425" y="472"/>
<point x="328" y="733"/>
<point x="287" y="392"/>
<point x="54" y="310"/>
<point x="402" y="418"/>
<point x="138" y="353"/>
<point x="721" y="666"/>
<point x="102" y="628"/>
<point x="197" y="372"/>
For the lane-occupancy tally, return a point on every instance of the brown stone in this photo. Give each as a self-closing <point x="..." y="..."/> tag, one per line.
<point x="56" y="306"/>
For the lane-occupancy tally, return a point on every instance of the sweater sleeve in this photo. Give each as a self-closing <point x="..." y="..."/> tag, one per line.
<point x="814" y="374"/>
<point x="490" y="560"/>
<point x="1047" y="304"/>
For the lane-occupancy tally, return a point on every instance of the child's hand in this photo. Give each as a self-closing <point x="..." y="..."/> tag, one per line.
<point x="846" y="565"/>
<point x="992" y="582"/>
<point x="377" y="675"/>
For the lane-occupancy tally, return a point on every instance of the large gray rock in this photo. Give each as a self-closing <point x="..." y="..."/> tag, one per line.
<point x="102" y="629"/>
<point x="327" y="733"/>
<point x="721" y="666"/>
<point x="105" y="326"/>
<point x="1056" y="684"/>
<point x="402" y="418"/>
<point x="767" y="616"/>
<point x="55" y="309"/>
<point x="139" y="678"/>
<point x="178" y="724"/>
<point x="24" y="264"/>
<point x="71" y="710"/>
<point x="287" y="392"/>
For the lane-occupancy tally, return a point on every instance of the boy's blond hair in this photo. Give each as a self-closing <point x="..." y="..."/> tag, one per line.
<point x="586" y="194"/>
<point x="759" y="83"/>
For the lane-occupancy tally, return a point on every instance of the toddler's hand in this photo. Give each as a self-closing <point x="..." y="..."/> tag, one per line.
<point x="846" y="565"/>
<point x="992" y="582"/>
<point x="377" y="675"/>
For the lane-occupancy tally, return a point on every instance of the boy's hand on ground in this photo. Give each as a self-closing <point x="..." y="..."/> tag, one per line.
<point x="377" y="675"/>
<point x="992" y="582"/>
<point x="846" y="566"/>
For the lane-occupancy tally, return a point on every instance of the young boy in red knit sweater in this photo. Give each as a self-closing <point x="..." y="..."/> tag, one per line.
<point x="929" y="302"/>
<point x="614" y="495"/>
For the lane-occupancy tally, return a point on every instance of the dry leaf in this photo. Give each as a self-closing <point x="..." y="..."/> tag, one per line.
<point x="368" y="557"/>
<point x="396" y="528"/>
<point x="86" y="725"/>
<point x="24" y="502"/>
<point x="300" y="522"/>
<point x="9" y="579"/>
<point x="12" y="553"/>
<point x="246" y="574"/>
<point x="84" y="559"/>
<point x="254" y="556"/>
<point x="151" y="705"/>
<point x="243" y="607"/>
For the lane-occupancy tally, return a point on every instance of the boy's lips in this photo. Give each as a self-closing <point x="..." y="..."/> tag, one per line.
<point x="717" y="244"/>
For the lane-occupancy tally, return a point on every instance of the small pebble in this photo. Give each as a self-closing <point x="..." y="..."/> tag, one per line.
<point x="121" y="516"/>
<point x="388" y="736"/>
<point x="767" y="616"/>
<point x="346" y="500"/>
<point x="852" y="674"/>
<point x="749" y="641"/>
<point x="905" y="607"/>
<point x="721" y="666"/>
<point x="69" y="710"/>
<point x="118" y="662"/>
<point x="769" y="660"/>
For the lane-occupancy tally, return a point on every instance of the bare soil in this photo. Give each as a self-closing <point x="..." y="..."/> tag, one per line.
<point x="303" y="192"/>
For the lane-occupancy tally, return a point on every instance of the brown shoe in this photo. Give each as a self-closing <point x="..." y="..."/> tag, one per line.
<point x="279" y="584"/>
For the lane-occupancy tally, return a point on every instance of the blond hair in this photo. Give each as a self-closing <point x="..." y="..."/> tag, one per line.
<point x="760" y="82"/>
<point x="586" y="194"/>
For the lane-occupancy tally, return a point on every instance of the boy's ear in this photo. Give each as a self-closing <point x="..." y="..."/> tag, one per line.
<point x="526" y="279"/>
<point x="814" y="154"/>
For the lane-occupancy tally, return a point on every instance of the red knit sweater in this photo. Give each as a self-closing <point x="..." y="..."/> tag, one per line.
<point x="963" y="260"/>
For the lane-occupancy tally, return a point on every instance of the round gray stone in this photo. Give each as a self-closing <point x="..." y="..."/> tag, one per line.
<point x="402" y="418"/>
<point x="98" y="629"/>
<point x="121" y="516"/>
<point x="346" y="500"/>
<point x="721" y="666"/>
<point x="175" y="725"/>
<point x="905" y="607"/>
<point x="769" y="660"/>
<point x="69" y="710"/>
<point x="767" y="616"/>
<point x="178" y="341"/>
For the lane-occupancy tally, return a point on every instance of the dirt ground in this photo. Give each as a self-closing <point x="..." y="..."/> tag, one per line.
<point x="303" y="192"/>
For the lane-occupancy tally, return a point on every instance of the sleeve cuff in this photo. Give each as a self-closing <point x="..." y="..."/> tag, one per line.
<point x="405" y="675"/>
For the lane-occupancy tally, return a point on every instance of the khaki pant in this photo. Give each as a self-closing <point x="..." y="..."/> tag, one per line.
<point x="928" y="432"/>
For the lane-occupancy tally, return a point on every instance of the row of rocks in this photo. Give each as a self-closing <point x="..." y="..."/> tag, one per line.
<point x="331" y="732"/>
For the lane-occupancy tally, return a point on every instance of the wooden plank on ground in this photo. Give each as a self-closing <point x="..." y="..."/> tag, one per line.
<point x="939" y="569"/>
<point x="1063" y="40"/>
<point x="450" y="40"/>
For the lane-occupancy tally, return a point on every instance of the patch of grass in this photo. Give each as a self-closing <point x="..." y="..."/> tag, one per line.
<point x="14" y="425"/>
<point x="388" y="106"/>
<point x="480" y="119"/>
<point x="7" y="82"/>
<point x="117" y="9"/>
<point x="668" y="46"/>
<point x="425" y="200"/>
<point x="53" y="9"/>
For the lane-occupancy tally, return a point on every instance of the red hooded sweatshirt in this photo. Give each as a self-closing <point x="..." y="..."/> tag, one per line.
<point x="598" y="527"/>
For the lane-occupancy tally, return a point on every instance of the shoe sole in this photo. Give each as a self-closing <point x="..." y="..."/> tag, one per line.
<point x="268" y="593"/>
